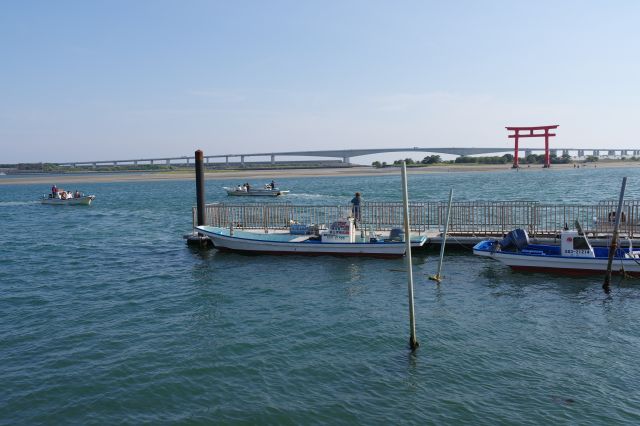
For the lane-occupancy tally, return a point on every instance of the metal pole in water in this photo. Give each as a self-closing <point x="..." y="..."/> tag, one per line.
<point x="614" y="238"/>
<point x="437" y="277"/>
<point x="200" y="186"/>
<point x="413" y="342"/>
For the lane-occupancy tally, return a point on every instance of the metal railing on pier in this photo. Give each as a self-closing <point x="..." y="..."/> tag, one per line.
<point x="476" y="218"/>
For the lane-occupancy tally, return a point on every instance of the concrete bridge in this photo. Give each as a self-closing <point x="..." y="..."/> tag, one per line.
<point x="345" y="155"/>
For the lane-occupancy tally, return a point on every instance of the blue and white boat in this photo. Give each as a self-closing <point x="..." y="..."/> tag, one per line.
<point x="339" y="239"/>
<point x="574" y="256"/>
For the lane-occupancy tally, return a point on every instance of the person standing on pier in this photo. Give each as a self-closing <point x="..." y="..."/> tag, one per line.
<point x="355" y="209"/>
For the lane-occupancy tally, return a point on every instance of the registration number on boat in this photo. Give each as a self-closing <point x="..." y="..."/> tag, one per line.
<point x="571" y="252"/>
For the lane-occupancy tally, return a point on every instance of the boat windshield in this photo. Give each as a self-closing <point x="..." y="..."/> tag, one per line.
<point x="580" y="243"/>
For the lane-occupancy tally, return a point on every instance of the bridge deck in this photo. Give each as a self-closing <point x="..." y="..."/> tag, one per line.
<point x="346" y="154"/>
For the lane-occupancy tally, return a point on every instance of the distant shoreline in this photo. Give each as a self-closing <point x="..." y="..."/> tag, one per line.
<point x="276" y="174"/>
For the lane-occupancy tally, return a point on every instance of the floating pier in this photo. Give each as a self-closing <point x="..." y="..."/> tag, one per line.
<point x="470" y="222"/>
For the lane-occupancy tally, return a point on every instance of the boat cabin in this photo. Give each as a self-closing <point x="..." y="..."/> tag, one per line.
<point x="340" y="231"/>
<point x="574" y="244"/>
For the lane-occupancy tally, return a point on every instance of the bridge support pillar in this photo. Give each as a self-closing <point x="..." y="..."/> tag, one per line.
<point x="624" y="153"/>
<point x="612" y="152"/>
<point x="151" y="162"/>
<point x="168" y="162"/>
<point x="527" y="152"/>
<point x="346" y="160"/>
<point x="581" y="153"/>
<point x="565" y="152"/>
<point x="273" y="159"/>
<point x="135" y="162"/>
<point x="242" y="161"/>
<point x="226" y="160"/>
<point x="636" y="152"/>
<point x="95" y="164"/>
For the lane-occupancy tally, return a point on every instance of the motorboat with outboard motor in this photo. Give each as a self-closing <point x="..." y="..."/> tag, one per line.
<point x="269" y="190"/>
<point x="60" y="197"/>
<point x="574" y="256"/>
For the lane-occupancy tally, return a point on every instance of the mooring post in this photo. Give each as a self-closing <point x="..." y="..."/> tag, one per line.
<point x="413" y="342"/>
<point x="200" y="186"/>
<point x="614" y="238"/>
<point x="437" y="277"/>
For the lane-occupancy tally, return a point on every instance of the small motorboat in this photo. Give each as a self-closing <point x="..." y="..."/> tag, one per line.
<point x="574" y="256"/>
<point x="249" y="191"/>
<point x="67" y="198"/>
<point x="339" y="239"/>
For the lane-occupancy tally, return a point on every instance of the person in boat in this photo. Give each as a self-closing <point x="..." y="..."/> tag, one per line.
<point x="246" y="185"/>
<point x="76" y="194"/>
<point x="355" y="209"/>
<point x="273" y="185"/>
<point x="54" y="191"/>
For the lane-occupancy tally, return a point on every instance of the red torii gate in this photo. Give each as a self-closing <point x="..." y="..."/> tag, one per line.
<point x="517" y="135"/>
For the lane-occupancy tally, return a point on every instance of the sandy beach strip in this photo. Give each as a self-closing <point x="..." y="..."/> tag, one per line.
<point x="268" y="174"/>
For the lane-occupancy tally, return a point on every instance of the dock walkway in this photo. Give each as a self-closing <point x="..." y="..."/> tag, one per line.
<point x="470" y="221"/>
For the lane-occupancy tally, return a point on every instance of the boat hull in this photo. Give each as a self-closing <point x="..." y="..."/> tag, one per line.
<point x="301" y="245"/>
<point x="255" y="192"/>
<point x="561" y="264"/>
<point x="80" y="201"/>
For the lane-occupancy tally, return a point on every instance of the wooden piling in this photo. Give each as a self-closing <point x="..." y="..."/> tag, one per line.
<point x="437" y="277"/>
<point x="614" y="239"/>
<point x="200" y="186"/>
<point x="413" y="342"/>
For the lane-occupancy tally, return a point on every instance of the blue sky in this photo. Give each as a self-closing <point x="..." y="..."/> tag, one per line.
<point x="97" y="80"/>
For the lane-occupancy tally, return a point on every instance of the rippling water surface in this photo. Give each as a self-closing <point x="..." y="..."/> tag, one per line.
<point x="108" y="317"/>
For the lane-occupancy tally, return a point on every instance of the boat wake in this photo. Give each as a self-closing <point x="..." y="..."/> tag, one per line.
<point x="18" y="203"/>
<point x="310" y="196"/>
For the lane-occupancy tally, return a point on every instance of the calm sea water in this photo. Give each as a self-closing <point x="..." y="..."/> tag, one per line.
<point x="106" y="316"/>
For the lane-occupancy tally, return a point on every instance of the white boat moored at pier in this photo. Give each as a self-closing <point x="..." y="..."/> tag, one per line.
<point x="339" y="239"/>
